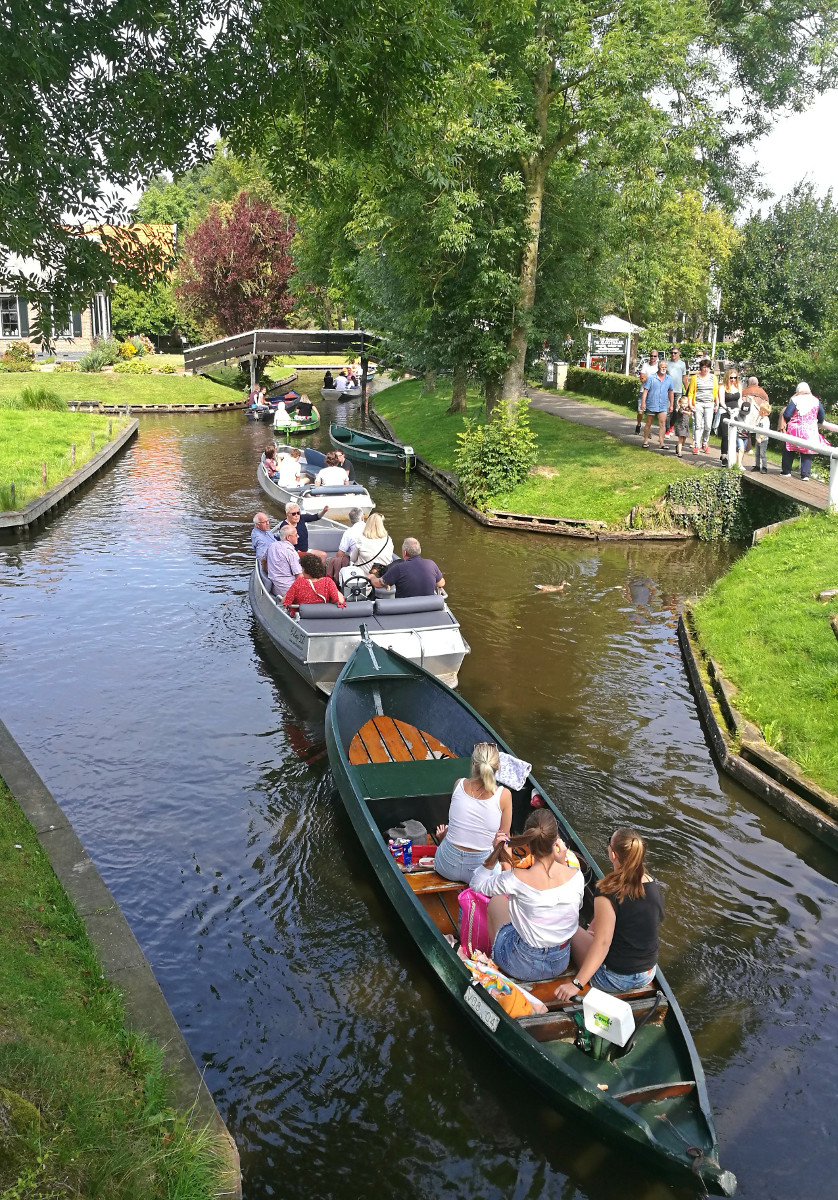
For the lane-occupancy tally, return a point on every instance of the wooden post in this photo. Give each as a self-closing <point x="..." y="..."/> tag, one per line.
<point x="73" y="455"/>
<point x="12" y="493"/>
<point x="364" y="401"/>
<point x="93" y="441"/>
<point x="44" y="473"/>
<point x="110" y="430"/>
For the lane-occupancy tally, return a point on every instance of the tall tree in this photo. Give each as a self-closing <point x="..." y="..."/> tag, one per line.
<point x="780" y="288"/>
<point x="579" y="86"/>
<point x="96" y="94"/>
<point x="235" y="268"/>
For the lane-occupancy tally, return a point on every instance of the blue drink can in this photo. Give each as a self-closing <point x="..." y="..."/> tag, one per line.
<point x="407" y="851"/>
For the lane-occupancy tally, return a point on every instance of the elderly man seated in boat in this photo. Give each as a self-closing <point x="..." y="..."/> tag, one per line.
<point x="283" y="561"/>
<point x="261" y="536"/>
<point x="412" y="575"/>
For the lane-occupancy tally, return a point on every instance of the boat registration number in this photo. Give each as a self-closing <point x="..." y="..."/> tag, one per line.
<point x="481" y="1008"/>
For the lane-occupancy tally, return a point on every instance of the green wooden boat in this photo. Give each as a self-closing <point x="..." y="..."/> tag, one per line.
<point x="398" y="739"/>
<point x="299" y="425"/>
<point x="370" y="448"/>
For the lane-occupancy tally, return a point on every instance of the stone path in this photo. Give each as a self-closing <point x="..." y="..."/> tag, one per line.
<point x="814" y="493"/>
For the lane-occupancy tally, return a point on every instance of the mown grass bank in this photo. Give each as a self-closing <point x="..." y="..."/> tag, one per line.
<point x="28" y="439"/>
<point x="581" y="473"/>
<point x="84" y="1109"/>
<point x="122" y="389"/>
<point x="772" y="638"/>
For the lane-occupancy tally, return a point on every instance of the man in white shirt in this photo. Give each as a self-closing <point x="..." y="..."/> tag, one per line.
<point x="341" y="383"/>
<point x="356" y="528"/>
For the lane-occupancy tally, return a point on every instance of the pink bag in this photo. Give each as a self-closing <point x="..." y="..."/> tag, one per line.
<point x="474" y="922"/>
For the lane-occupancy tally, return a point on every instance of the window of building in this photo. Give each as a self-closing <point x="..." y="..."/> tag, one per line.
<point x="65" y="330"/>
<point x="9" y="317"/>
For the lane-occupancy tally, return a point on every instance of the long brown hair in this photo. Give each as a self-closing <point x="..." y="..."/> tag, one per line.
<point x="626" y="880"/>
<point x="540" y="835"/>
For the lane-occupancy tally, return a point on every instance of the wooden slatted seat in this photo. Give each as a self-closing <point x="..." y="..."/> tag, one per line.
<point x="386" y="740"/>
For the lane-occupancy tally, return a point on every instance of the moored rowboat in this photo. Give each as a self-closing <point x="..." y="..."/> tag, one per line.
<point x="371" y="448"/>
<point x="398" y="740"/>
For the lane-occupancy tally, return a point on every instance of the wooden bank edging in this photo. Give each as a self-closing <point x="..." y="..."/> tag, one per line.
<point x="95" y="406"/>
<point x="594" y="531"/>
<point x="123" y="962"/>
<point x="739" y="749"/>
<point x="51" y="499"/>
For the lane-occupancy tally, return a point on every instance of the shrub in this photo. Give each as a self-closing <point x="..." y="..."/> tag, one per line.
<point x="19" y="352"/>
<point x="167" y="369"/>
<point x="67" y="365"/>
<point x="142" y="344"/>
<point x="12" y="365"/>
<point x="127" y="350"/>
<point x="134" y="367"/>
<point x="94" y="360"/>
<point x="719" y="508"/>
<point x="109" y="347"/>
<point x="35" y="397"/>
<point x="605" y="385"/>
<point x="493" y="457"/>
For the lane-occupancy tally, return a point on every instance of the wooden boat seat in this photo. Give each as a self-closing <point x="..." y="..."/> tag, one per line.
<point x="384" y="739"/>
<point x="560" y="1026"/>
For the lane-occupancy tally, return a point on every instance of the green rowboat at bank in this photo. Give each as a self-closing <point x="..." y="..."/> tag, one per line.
<point x="370" y="448"/>
<point x="398" y="739"/>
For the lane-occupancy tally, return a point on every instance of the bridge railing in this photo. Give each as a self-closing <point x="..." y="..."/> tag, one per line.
<point x="258" y="343"/>
<point x="804" y="447"/>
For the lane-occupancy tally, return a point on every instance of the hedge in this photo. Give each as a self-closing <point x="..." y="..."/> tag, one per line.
<point x="605" y="385"/>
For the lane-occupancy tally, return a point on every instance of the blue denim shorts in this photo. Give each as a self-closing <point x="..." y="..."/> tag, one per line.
<point x="612" y="981"/>
<point x="517" y="958"/>
<point x="741" y="441"/>
<point x="458" y="865"/>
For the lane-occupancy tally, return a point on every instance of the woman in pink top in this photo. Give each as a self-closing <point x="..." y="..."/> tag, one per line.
<point x="480" y="808"/>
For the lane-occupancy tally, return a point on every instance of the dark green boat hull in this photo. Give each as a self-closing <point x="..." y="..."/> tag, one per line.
<point x="566" y="1076"/>
<point x="369" y="448"/>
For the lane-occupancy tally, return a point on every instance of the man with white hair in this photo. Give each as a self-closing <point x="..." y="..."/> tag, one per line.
<point x="413" y="576"/>
<point x="261" y="536"/>
<point x="283" y="565"/>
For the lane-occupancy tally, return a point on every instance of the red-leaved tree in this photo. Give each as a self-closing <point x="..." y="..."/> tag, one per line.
<point x="234" y="272"/>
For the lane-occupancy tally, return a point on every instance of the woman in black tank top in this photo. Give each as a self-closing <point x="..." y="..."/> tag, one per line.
<point x="618" y="952"/>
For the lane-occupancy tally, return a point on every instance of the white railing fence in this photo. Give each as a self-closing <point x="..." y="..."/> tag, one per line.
<point x="830" y="452"/>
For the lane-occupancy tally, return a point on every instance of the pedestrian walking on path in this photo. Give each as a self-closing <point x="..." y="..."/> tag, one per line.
<point x="676" y="370"/>
<point x="644" y="375"/>
<point x="803" y="413"/>
<point x="657" y="399"/>
<point x="703" y="394"/>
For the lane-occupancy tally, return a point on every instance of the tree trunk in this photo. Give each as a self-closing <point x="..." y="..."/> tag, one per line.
<point x="458" y="395"/>
<point x="513" y="380"/>
<point x="493" y="392"/>
<point x="429" y="382"/>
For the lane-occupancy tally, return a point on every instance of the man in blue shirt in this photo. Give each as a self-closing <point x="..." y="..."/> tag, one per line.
<point x="657" y="399"/>
<point x="261" y="536"/>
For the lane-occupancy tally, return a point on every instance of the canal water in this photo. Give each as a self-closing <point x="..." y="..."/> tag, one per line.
<point x="192" y="765"/>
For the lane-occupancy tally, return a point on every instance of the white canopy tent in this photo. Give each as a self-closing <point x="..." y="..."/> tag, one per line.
<point x="611" y="339"/>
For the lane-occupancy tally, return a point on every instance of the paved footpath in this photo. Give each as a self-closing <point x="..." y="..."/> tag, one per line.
<point x="812" y="493"/>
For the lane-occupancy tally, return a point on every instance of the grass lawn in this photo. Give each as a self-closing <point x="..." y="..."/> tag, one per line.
<point x="29" y="438"/>
<point x="84" y="1107"/>
<point x="585" y="474"/>
<point x="773" y="640"/>
<point x="305" y="360"/>
<point x="122" y="389"/>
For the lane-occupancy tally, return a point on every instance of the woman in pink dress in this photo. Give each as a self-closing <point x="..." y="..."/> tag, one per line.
<point x="803" y="413"/>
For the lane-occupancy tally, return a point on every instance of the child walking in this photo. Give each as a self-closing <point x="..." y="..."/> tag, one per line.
<point x="761" y="441"/>
<point x="682" y="424"/>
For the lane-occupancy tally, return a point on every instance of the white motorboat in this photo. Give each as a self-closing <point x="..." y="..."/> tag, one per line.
<point x="350" y="393"/>
<point x="340" y="499"/>
<point x="323" y="637"/>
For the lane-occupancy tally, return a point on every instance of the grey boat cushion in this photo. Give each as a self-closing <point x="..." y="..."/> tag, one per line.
<point x="430" y="620"/>
<point x="409" y="604"/>
<point x="322" y="612"/>
<point x="347" y="489"/>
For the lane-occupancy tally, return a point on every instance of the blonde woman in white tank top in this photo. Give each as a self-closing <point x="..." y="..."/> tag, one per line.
<point x="480" y="808"/>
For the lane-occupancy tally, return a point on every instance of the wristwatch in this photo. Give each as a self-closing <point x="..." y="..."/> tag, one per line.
<point x="580" y="987"/>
